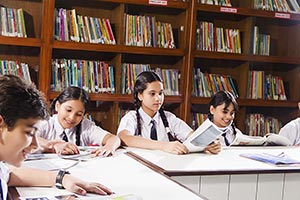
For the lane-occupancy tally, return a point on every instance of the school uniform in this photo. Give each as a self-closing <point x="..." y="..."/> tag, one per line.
<point x="177" y="126"/>
<point x="228" y="135"/>
<point x="90" y="134"/>
<point x="292" y="131"/>
<point x="4" y="177"/>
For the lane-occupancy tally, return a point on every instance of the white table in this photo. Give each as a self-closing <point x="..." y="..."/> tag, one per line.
<point x="123" y="175"/>
<point x="228" y="175"/>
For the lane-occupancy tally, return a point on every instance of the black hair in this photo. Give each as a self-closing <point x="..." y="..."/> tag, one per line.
<point x="72" y="93"/>
<point x="218" y="99"/>
<point x="20" y="99"/>
<point x="140" y="85"/>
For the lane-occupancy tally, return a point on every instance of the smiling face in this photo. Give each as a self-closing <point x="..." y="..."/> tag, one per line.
<point x="222" y="117"/>
<point x="18" y="141"/>
<point x="70" y="113"/>
<point x="152" y="98"/>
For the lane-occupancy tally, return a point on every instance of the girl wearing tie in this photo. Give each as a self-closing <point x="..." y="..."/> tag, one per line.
<point x="150" y="126"/>
<point x="68" y="128"/>
<point x="21" y="107"/>
<point x="222" y="108"/>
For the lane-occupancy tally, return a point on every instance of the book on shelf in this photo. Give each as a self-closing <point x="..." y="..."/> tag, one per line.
<point x="70" y="26"/>
<point x="204" y="135"/>
<point x="278" y="160"/>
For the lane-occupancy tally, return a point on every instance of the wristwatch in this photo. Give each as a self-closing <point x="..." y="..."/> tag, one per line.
<point x="59" y="178"/>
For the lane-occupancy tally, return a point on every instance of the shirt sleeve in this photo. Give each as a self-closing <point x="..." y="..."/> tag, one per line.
<point x="91" y="134"/>
<point x="128" y="122"/>
<point x="291" y="131"/>
<point x="178" y="126"/>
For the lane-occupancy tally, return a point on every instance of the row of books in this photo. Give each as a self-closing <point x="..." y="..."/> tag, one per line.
<point x="12" y="22"/>
<point x="258" y="125"/>
<point x="198" y="119"/>
<point x="146" y="31"/>
<point x="129" y="72"/>
<point x="205" y="84"/>
<point x="210" y="38"/>
<point x="216" y="2"/>
<point x="261" y="43"/>
<point x="93" y="76"/>
<point x="290" y="6"/>
<point x="15" y="68"/>
<point x="261" y="86"/>
<point x="72" y="27"/>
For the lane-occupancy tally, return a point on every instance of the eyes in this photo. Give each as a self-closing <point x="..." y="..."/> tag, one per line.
<point x="31" y="132"/>
<point x="226" y="112"/>
<point x="152" y="93"/>
<point x="78" y="114"/>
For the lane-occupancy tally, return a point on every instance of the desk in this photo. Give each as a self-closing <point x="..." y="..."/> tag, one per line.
<point x="228" y="175"/>
<point x="123" y="175"/>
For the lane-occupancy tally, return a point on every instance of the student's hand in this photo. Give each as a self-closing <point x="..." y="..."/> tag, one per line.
<point x="174" y="147"/>
<point x="213" y="148"/>
<point x="78" y="186"/>
<point x="109" y="148"/>
<point x="66" y="148"/>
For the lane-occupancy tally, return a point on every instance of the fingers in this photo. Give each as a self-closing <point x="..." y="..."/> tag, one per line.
<point x="69" y="149"/>
<point x="102" y="151"/>
<point x="96" y="188"/>
<point x="214" y="148"/>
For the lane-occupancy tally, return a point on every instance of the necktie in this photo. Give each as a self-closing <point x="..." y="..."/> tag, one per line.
<point x="64" y="136"/>
<point x="153" y="133"/>
<point x="1" y="192"/>
<point x="225" y="139"/>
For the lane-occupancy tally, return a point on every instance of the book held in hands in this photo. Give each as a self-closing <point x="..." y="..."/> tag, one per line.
<point x="204" y="135"/>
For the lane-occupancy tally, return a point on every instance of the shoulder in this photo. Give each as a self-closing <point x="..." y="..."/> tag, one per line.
<point x="4" y="171"/>
<point x="44" y="124"/>
<point x="131" y="115"/>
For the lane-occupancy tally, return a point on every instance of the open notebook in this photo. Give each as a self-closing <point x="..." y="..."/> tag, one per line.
<point x="204" y="135"/>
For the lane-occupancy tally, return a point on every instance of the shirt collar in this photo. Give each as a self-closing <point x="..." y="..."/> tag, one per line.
<point x="146" y="118"/>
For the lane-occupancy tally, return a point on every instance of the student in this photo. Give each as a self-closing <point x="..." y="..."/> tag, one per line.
<point x="149" y="126"/>
<point x="222" y="108"/>
<point x="292" y="130"/>
<point x="21" y="106"/>
<point x="68" y="128"/>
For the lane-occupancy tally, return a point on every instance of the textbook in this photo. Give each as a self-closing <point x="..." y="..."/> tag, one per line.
<point x="279" y="160"/>
<point x="270" y="139"/>
<point x="204" y="135"/>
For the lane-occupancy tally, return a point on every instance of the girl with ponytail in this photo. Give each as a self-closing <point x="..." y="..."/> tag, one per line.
<point x="136" y="127"/>
<point x="68" y="128"/>
<point x="222" y="108"/>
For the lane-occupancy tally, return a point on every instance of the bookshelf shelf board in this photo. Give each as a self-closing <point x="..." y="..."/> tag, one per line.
<point x="244" y="57"/>
<point x="250" y="102"/>
<point x="220" y="55"/>
<point x="200" y="100"/>
<point x="120" y="97"/>
<point x="16" y="41"/>
<point x="266" y="103"/>
<point x="81" y="46"/>
<point x="245" y="12"/>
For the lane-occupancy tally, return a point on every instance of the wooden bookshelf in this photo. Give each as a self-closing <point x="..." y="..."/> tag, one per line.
<point x="40" y="48"/>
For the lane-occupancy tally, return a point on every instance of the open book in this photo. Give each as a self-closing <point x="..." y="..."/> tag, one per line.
<point x="204" y="135"/>
<point x="278" y="160"/>
<point x="270" y="139"/>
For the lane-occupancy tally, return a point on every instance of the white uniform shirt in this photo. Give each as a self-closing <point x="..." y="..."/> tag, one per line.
<point x="177" y="126"/>
<point x="4" y="177"/>
<point x="292" y="131"/>
<point x="90" y="132"/>
<point x="229" y="135"/>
